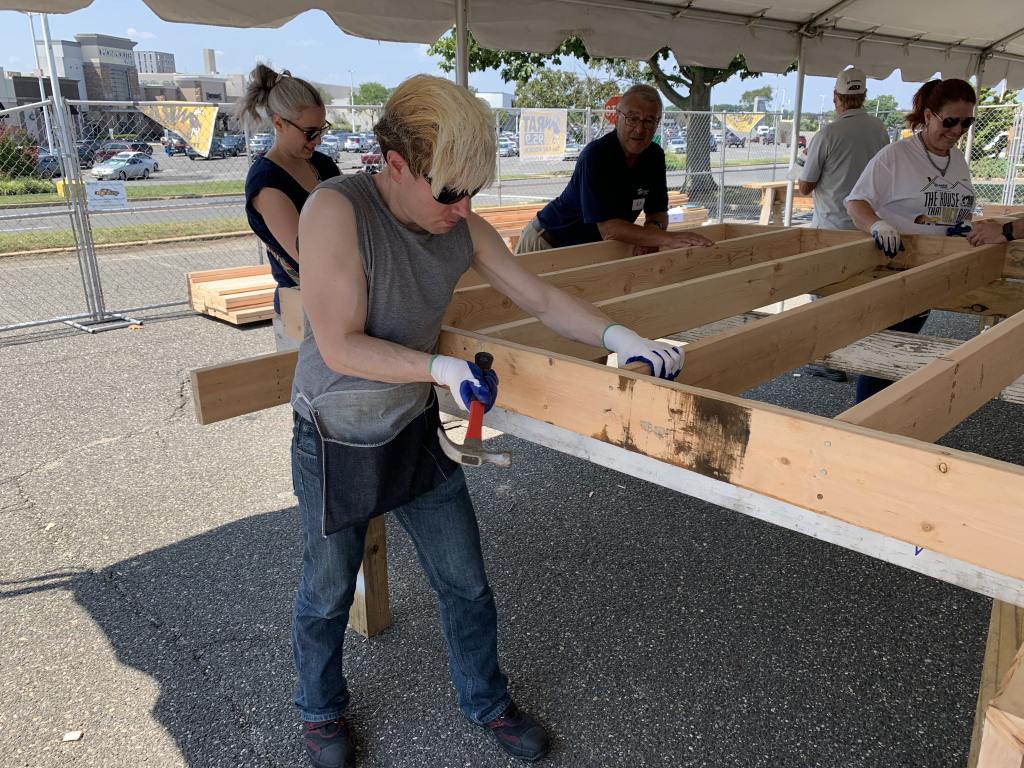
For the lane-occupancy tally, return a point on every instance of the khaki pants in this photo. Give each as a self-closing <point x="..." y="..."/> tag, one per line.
<point x="531" y="241"/>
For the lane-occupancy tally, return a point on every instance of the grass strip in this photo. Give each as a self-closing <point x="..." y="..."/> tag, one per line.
<point x="11" y="242"/>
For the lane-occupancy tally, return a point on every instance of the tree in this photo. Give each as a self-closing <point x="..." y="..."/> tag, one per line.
<point x="991" y="131"/>
<point x="887" y="109"/>
<point x="558" y="88"/>
<point x="749" y="98"/>
<point x="661" y="70"/>
<point x="372" y="93"/>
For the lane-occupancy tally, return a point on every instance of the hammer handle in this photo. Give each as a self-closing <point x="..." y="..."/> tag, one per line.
<point x="476" y="420"/>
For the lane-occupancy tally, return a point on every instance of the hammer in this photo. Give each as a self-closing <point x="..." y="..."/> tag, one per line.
<point x="471" y="452"/>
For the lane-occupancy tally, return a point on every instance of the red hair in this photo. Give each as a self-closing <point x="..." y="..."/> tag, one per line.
<point x="935" y="94"/>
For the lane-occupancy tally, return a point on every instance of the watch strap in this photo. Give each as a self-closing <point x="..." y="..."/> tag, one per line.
<point x="1008" y="231"/>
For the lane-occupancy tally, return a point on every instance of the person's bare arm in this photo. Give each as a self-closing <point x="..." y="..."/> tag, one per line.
<point x="627" y="232"/>
<point x="863" y="215"/>
<point x="806" y="187"/>
<point x="334" y="297"/>
<point x="988" y="232"/>
<point x="569" y="316"/>
<point x="280" y="216"/>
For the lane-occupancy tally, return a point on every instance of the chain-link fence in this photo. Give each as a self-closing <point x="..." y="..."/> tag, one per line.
<point x="60" y="258"/>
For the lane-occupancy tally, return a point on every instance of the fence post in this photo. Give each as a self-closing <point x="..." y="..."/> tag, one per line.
<point x="497" y="144"/>
<point x="1014" y="162"/>
<point x="721" y="160"/>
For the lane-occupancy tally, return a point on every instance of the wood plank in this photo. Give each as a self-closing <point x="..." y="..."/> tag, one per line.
<point x="555" y="259"/>
<point x="1005" y="638"/>
<point x="484" y="306"/>
<point x="1002" y="739"/>
<point x="661" y="311"/>
<point x="955" y="503"/>
<point x="933" y="400"/>
<point x="370" y="613"/>
<point x="740" y="359"/>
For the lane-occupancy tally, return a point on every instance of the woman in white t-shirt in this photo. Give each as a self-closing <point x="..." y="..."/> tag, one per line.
<point x="918" y="186"/>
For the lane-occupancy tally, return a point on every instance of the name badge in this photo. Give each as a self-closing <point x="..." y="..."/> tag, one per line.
<point x="638" y="203"/>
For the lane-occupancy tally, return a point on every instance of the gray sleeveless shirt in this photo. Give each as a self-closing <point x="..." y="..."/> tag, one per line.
<point x="410" y="278"/>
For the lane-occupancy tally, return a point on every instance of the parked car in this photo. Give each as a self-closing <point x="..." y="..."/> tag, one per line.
<point x="328" y="148"/>
<point x="572" y="151"/>
<point x="111" y="148"/>
<point x="676" y="146"/>
<point x="47" y="163"/>
<point x="733" y="140"/>
<point x="217" y="149"/>
<point x="507" y="148"/>
<point x="126" y="165"/>
<point x="175" y="145"/>
<point x="233" y="143"/>
<point x="801" y="141"/>
<point x="260" y="144"/>
<point x="356" y="143"/>
<point x="372" y="160"/>
<point x="87" y="151"/>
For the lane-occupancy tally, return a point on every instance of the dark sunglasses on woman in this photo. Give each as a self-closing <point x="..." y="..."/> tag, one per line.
<point x="949" y="122"/>
<point x="449" y="196"/>
<point x="309" y="133"/>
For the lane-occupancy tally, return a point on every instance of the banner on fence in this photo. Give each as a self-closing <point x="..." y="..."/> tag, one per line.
<point x="193" y="123"/>
<point x="542" y="134"/>
<point x="741" y="124"/>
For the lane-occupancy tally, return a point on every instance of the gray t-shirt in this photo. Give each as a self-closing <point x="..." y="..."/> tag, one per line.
<point x="836" y="157"/>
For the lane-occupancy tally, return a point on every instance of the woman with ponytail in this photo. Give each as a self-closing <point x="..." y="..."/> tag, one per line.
<point x="920" y="185"/>
<point x="279" y="182"/>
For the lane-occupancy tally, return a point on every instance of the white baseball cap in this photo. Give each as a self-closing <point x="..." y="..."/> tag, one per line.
<point x="852" y="81"/>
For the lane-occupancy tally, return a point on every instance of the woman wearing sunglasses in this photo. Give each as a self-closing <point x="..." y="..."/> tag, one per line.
<point x="279" y="182"/>
<point x="381" y="257"/>
<point x="920" y="185"/>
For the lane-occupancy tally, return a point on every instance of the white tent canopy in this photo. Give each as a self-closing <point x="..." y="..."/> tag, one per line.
<point x="918" y="37"/>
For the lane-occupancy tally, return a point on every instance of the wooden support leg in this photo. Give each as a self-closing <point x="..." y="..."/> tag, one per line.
<point x="767" y="203"/>
<point x="371" y="613"/>
<point x="998" y="739"/>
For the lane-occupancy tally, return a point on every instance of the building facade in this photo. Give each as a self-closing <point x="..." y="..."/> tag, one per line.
<point x="67" y="56"/>
<point x="109" y="68"/>
<point x="209" y="61"/>
<point x="154" y="62"/>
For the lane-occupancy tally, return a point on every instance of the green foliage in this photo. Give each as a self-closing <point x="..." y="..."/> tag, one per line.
<point x="15" y="160"/>
<point x="887" y="108"/>
<point x="372" y="93"/>
<point x="558" y="88"/>
<point x="988" y="168"/>
<point x="747" y="98"/>
<point x="25" y="187"/>
<point x="993" y="125"/>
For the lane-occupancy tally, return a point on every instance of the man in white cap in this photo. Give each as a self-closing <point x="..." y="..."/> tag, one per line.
<point x="836" y="157"/>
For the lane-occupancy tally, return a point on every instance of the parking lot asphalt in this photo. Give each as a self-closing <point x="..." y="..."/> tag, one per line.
<point x="147" y="566"/>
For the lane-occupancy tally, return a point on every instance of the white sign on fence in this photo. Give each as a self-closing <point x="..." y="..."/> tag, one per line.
<point x="106" y="195"/>
<point x="542" y="134"/>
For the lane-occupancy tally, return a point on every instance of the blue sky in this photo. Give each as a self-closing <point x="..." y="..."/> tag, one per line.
<point x="312" y="46"/>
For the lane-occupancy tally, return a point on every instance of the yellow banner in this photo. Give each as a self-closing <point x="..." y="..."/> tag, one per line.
<point x="542" y="134"/>
<point x="740" y="124"/>
<point x="193" y="123"/>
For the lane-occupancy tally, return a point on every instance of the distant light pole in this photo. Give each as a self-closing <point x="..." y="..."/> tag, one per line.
<point x="351" y="100"/>
<point x="42" y="89"/>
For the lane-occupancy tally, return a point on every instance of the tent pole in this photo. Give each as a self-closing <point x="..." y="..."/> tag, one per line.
<point x="969" y="145"/>
<point x="462" y="43"/>
<point x="794" y="144"/>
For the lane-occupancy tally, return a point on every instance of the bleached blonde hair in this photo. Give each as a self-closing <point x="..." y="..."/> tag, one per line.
<point x="442" y="131"/>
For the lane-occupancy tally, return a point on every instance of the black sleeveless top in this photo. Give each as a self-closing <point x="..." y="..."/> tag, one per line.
<point x="264" y="173"/>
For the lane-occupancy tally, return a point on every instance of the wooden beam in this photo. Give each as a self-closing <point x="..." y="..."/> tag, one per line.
<point x="483" y="306"/>
<point x="1005" y="639"/>
<point x="955" y="503"/>
<point x="740" y="359"/>
<point x="930" y="402"/>
<point x="1002" y="739"/>
<point x="661" y="311"/>
<point x="232" y="389"/>
<point x="371" y="610"/>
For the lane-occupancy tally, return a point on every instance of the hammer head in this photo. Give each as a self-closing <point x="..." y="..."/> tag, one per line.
<point x="471" y="452"/>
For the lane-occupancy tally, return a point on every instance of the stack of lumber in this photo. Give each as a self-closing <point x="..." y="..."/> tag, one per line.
<point x="238" y="295"/>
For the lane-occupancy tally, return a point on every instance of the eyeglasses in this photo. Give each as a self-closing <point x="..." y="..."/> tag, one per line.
<point x="949" y="122"/>
<point x="449" y="196"/>
<point x="309" y="133"/>
<point x="649" y="124"/>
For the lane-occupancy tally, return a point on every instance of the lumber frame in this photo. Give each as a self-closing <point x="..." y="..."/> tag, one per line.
<point x="667" y="309"/>
<point x="737" y="360"/>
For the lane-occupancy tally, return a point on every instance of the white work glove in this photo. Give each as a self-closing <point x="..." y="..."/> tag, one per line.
<point x="465" y="380"/>
<point x="887" y="238"/>
<point x="665" y="360"/>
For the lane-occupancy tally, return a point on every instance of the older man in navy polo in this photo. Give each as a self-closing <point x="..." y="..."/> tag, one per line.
<point x="616" y="177"/>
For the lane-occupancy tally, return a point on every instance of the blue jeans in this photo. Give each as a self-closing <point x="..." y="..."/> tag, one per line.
<point x="442" y="526"/>
<point x="870" y="385"/>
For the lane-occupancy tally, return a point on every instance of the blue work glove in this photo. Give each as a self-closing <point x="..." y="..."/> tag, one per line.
<point x="465" y="380"/>
<point x="664" y="359"/>
<point x="887" y="238"/>
<point x="960" y="230"/>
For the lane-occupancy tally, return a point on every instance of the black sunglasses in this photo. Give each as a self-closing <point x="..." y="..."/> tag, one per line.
<point x="949" y="122"/>
<point x="309" y="133"/>
<point x="449" y="196"/>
